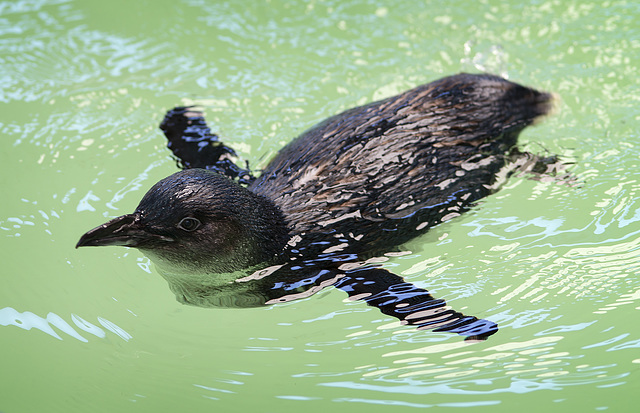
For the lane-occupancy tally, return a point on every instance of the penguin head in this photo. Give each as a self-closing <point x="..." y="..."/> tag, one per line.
<point x="197" y="221"/>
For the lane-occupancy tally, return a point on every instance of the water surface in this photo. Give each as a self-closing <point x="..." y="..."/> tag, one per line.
<point x="83" y="87"/>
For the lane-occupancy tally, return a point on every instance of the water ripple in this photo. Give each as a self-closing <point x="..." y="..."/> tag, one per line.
<point x="28" y="320"/>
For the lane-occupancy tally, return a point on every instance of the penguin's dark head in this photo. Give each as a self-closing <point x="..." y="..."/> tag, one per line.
<point x="197" y="221"/>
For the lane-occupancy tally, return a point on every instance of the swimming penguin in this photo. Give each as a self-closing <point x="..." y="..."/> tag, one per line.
<point x="345" y="192"/>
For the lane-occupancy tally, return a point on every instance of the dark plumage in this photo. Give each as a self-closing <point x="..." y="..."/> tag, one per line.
<point x="351" y="187"/>
<point x="401" y="162"/>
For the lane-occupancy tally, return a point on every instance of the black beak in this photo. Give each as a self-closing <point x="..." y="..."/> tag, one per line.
<point x="125" y="231"/>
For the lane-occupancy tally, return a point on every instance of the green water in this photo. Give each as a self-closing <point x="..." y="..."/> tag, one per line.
<point x="83" y="86"/>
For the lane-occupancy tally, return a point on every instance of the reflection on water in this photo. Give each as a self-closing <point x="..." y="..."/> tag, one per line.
<point x="461" y="368"/>
<point x="28" y="320"/>
<point x="578" y="272"/>
<point x="83" y="87"/>
<point x="624" y="299"/>
<point x="549" y="361"/>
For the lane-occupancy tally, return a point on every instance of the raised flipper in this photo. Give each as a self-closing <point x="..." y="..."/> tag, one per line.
<point x="410" y="304"/>
<point x="195" y="146"/>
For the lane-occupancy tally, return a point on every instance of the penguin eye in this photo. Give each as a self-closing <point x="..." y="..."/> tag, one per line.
<point x="189" y="224"/>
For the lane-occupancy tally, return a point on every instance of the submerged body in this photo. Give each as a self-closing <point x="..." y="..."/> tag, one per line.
<point x="353" y="186"/>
